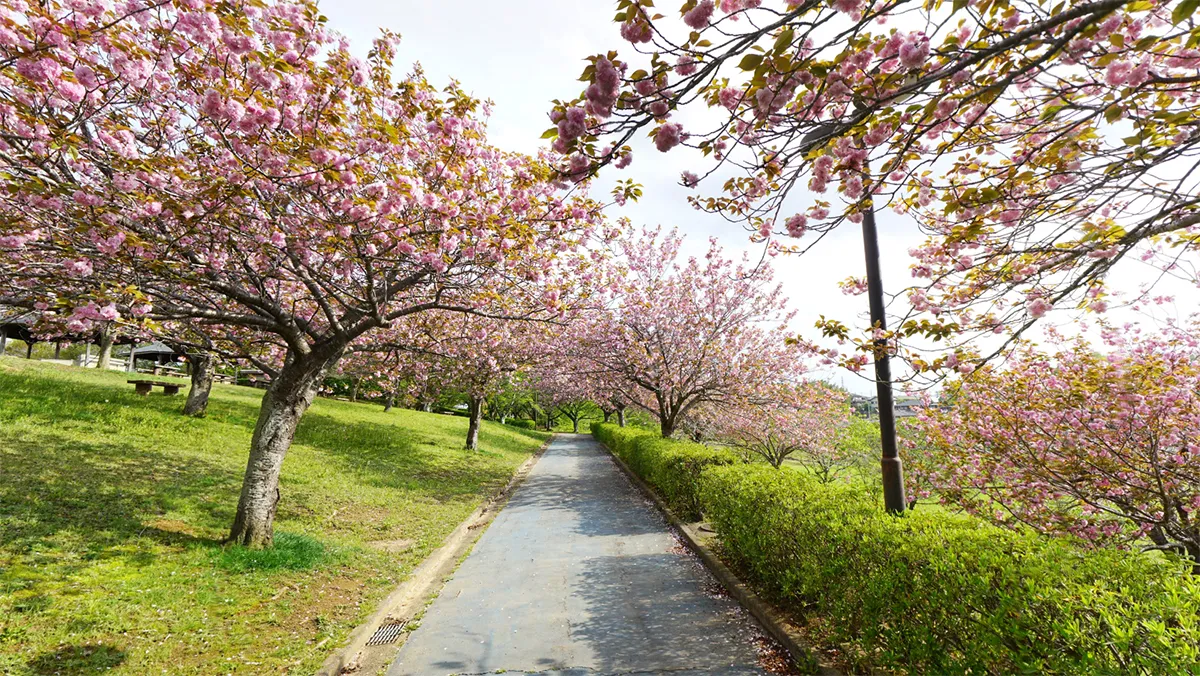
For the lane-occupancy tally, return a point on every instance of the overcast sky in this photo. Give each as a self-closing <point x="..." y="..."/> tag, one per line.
<point x="521" y="54"/>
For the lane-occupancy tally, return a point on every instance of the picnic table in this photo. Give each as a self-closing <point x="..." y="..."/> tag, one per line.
<point x="143" y="387"/>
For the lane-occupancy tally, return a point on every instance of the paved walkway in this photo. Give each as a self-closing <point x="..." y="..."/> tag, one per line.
<point x="579" y="575"/>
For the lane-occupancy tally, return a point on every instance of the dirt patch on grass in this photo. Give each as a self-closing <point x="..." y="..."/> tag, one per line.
<point x="327" y="601"/>
<point x="392" y="546"/>
<point x="172" y="526"/>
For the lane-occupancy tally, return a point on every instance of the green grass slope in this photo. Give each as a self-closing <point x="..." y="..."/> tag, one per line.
<point x="112" y="508"/>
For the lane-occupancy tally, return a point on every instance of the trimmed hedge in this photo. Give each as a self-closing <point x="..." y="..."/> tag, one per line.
<point x="671" y="467"/>
<point x="935" y="592"/>
<point x="522" y="423"/>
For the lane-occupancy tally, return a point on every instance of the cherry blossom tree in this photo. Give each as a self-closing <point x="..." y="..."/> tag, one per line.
<point x="1039" y="146"/>
<point x="217" y="164"/>
<point x="611" y="396"/>
<point x="513" y="397"/>
<point x="680" y="334"/>
<point x="785" y="420"/>
<point x="1101" y="445"/>
<point x="378" y="373"/>
<point x="476" y="355"/>
<point x="566" y="389"/>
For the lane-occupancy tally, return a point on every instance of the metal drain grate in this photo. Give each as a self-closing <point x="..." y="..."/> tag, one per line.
<point x="386" y="634"/>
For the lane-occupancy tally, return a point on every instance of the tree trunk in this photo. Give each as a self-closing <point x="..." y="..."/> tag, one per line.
<point x="667" y="425"/>
<point x="131" y="363"/>
<point x="388" y="402"/>
<point x="107" y="334"/>
<point x="575" y="423"/>
<point x="607" y="414"/>
<point x="475" y="406"/>
<point x="287" y="398"/>
<point x="621" y="416"/>
<point x="667" y="414"/>
<point x="354" y="390"/>
<point x="29" y="350"/>
<point x="57" y="350"/>
<point x="3" y="343"/>
<point x="427" y="406"/>
<point x="202" y="380"/>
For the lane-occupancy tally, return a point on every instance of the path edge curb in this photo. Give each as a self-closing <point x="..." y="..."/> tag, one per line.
<point x="768" y="616"/>
<point x="426" y="580"/>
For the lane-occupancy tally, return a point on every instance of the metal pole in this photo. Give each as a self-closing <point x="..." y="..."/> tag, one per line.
<point x="893" y="473"/>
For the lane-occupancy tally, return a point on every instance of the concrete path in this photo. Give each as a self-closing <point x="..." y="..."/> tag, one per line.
<point x="578" y="574"/>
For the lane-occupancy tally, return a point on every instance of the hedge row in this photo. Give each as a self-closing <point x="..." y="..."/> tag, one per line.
<point x="671" y="467"/>
<point x="935" y="592"/>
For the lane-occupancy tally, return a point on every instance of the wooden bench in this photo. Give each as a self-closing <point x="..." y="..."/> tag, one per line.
<point x="143" y="387"/>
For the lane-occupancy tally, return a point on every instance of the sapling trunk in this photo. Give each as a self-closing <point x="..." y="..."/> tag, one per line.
<point x="284" y="403"/>
<point x="388" y="402"/>
<point x="621" y="417"/>
<point x="202" y="380"/>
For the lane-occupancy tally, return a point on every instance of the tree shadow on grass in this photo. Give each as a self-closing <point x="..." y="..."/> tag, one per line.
<point x="106" y="490"/>
<point x="67" y="505"/>
<point x="77" y="659"/>
<point x="395" y="456"/>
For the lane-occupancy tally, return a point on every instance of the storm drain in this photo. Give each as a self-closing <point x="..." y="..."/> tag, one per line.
<point x="386" y="634"/>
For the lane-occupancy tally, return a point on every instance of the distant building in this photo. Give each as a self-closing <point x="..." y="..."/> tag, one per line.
<point x="868" y="407"/>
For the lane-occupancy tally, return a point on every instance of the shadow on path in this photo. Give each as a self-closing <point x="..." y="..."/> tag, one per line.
<point x="578" y="574"/>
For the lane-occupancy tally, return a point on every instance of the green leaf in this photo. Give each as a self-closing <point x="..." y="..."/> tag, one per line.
<point x="550" y="133"/>
<point x="1113" y="113"/>
<point x="1184" y="10"/>
<point x="750" y="61"/>
<point x="785" y="40"/>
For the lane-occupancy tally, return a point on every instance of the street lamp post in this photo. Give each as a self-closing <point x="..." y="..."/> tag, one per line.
<point x="893" y="472"/>
<point x="892" y="469"/>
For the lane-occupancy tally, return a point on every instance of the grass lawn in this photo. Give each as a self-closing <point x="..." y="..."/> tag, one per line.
<point x="112" y="508"/>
